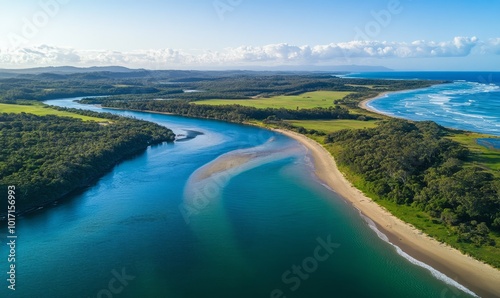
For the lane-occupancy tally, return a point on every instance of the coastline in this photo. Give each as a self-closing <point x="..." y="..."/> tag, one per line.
<point x="364" y="104"/>
<point x="479" y="277"/>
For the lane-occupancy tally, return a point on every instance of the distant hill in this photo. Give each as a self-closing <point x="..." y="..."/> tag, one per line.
<point x="326" y="68"/>
<point x="4" y="73"/>
<point x="357" y="68"/>
<point x="67" y="70"/>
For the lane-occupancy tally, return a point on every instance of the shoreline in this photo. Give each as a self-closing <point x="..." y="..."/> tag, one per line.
<point x="364" y="103"/>
<point x="479" y="277"/>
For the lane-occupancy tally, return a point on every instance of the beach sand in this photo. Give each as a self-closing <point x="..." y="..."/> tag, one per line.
<point x="364" y="103"/>
<point x="478" y="277"/>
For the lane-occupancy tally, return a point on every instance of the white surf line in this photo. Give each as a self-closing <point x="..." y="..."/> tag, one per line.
<point x="436" y="273"/>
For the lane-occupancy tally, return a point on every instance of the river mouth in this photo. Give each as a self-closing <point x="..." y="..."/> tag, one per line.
<point x="146" y="221"/>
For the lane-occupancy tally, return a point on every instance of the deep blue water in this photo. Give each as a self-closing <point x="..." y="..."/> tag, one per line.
<point x="149" y="228"/>
<point x="470" y="76"/>
<point x="470" y="102"/>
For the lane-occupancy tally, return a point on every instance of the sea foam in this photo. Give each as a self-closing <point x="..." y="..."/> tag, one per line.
<point x="462" y="105"/>
<point x="436" y="273"/>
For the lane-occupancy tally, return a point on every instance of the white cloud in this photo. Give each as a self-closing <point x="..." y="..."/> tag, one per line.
<point x="492" y="46"/>
<point x="274" y="54"/>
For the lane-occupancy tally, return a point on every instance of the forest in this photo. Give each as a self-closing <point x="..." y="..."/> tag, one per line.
<point x="415" y="164"/>
<point x="149" y="85"/>
<point x="232" y="113"/>
<point x="48" y="157"/>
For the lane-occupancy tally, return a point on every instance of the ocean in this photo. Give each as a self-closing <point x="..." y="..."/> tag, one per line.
<point x="471" y="101"/>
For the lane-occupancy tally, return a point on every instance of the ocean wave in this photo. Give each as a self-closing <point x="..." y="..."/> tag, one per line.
<point x="468" y="88"/>
<point x="436" y="273"/>
<point x="439" y="99"/>
<point x="379" y="111"/>
<point x="475" y="116"/>
<point x="460" y="105"/>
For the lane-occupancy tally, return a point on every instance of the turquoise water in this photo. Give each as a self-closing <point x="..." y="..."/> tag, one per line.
<point x="470" y="102"/>
<point x="151" y="229"/>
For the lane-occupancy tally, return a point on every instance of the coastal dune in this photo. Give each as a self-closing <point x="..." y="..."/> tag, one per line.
<point x="480" y="278"/>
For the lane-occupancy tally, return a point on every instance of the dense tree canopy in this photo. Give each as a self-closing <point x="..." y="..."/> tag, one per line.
<point x="46" y="157"/>
<point x="415" y="164"/>
<point x="234" y="113"/>
<point x="141" y="85"/>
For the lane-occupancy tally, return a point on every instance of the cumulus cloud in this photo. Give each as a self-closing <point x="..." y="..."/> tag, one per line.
<point x="274" y="54"/>
<point x="39" y="55"/>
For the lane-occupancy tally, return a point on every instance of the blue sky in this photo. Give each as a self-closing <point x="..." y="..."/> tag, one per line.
<point x="218" y="34"/>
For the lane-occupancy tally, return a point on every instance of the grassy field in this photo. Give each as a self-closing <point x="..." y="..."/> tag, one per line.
<point x="374" y="87"/>
<point x="363" y="86"/>
<point x="307" y="100"/>
<point x="42" y="110"/>
<point x="328" y="126"/>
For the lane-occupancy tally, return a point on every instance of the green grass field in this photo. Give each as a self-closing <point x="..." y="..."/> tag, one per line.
<point x="328" y="126"/>
<point x="42" y="110"/>
<point x="363" y="86"/>
<point x="374" y="87"/>
<point x="307" y="100"/>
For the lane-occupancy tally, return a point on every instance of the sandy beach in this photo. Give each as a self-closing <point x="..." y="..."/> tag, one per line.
<point x="478" y="277"/>
<point x="364" y="103"/>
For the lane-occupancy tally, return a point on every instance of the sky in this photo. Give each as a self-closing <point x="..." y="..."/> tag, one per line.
<point x="251" y="34"/>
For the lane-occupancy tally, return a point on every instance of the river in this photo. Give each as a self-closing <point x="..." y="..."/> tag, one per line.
<point x="266" y="228"/>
